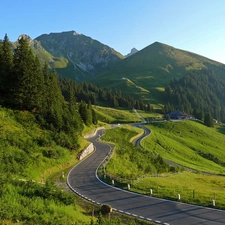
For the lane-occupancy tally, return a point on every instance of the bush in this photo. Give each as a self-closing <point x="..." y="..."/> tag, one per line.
<point x="106" y="209"/>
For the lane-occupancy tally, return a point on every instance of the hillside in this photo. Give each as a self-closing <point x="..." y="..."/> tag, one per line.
<point x="31" y="160"/>
<point x="42" y="54"/>
<point x="190" y="144"/>
<point x="85" y="55"/>
<point x="28" y="156"/>
<point x="152" y="68"/>
<point x="195" y="154"/>
<point x="144" y="75"/>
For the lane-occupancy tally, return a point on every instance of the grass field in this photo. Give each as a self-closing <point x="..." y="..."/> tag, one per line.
<point x="111" y="115"/>
<point x="194" y="188"/>
<point x="187" y="143"/>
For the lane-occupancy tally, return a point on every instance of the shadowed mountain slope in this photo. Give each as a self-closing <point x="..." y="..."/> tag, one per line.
<point x="85" y="55"/>
<point x="151" y="69"/>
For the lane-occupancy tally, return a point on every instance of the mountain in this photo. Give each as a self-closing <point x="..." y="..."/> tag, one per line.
<point x="147" y="72"/>
<point x="86" y="57"/>
<point x="143" y="73"/>
<point x="132" y="51"/>
<point x="42" y="54"/>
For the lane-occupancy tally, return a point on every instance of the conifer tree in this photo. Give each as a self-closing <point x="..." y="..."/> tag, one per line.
<point x="54" y="99"/>
<point x="94" y="117"/>
<point x="208" y="120"/>
<point x="27" y="78"/>
<point x="73" y="117"/>
<point x="86" y="112"/>
<point x="39" y="80"/>
<point x="6" y="64"/>
<point x="148" y="107"/>
<point x="89" y="114"/>
<point x="72" y="99"/>
<point x="83" y="111"/>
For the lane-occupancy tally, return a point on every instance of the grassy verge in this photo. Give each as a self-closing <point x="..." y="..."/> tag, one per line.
<point x="194" y="188"/>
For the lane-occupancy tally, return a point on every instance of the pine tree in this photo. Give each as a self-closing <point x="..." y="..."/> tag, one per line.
<point x="148" y="107"/>
<point x="208" y="120"/>
<point x="94" y="117"/>
<point x="72" y="99"/>
<point x="39" y="81"/>
<point x="86" y="112"/>
<point x="83" y="111"/>
<point x="54" y="99"/>
<point x="27" y="78"/>
<point x="89" y="114"/>
<point x="6" y="65"/>
<point x="113" y="102"/>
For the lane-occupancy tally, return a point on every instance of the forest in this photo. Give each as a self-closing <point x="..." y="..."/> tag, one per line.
<point x="25" y="85"/>
<point x="199" y="93"/>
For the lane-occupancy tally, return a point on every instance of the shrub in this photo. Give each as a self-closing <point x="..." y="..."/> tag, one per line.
<point x="106" y="209"/>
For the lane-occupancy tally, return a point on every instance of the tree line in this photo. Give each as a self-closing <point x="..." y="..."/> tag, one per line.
<point x="58" y="103"/>
<point x="25" y="85"/>
<point x="200" y="93"/>
<point x="88" y="92"/>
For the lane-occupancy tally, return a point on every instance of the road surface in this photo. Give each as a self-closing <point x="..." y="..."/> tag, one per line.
<point x="83" y="180"/>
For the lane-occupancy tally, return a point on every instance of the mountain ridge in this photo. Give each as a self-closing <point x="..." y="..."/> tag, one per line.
<point x="86" y="56"/>
<point x="146" y="73"/>
<point x="152" y="69"/>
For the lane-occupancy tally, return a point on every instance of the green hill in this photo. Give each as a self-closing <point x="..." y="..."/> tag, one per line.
<point x="144" y="74"/>
<point x="190" y="144"/>
<point x="152" y="69"/>
<point x="195" y="154"/>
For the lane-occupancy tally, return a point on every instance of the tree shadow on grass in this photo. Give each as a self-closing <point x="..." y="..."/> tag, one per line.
<point x="221" y="129"/>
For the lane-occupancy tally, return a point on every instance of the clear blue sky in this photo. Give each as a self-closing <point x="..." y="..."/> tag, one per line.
<point x="194" y="25"/>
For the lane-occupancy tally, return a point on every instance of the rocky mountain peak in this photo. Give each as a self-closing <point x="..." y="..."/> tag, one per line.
<point x="132" y="51"/>
<point x="25" y="36"/>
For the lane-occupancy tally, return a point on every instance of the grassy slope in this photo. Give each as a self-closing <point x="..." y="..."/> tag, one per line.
<point x="151" y="69"/>
<point x="111" y="115"/>
<point x="25" y="143"/>
<point x="180" y="142"/>
<point x="22" y="160"/>
<point x="193" y="188"/>
<point x="121" y="164"/>
<point x="186" y="143"/>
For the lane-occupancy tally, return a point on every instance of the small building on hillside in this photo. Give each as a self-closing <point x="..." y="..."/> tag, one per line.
<point x="178" y="115"/>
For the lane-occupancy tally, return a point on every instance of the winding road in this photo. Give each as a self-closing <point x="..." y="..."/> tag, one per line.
<point x="83" y="180"/>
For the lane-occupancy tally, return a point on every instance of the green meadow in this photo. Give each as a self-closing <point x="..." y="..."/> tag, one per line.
<point x="189" y="144"/>
<point x="194" y="188"/>
<point x="111" y="115"/>
<point x="197" y="153"/>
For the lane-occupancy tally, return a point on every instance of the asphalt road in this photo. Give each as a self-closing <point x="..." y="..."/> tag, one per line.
<point x="146" y="133"/>
<point x="82" y="180"/>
